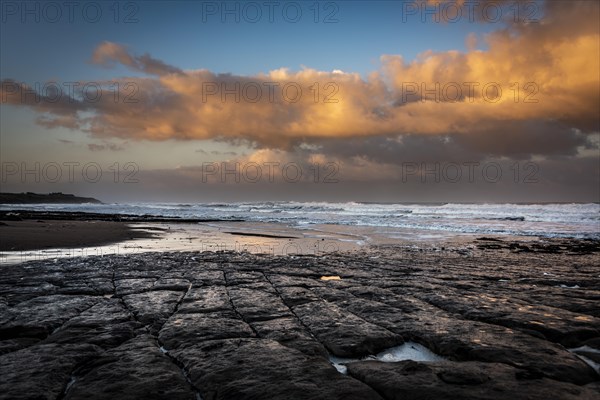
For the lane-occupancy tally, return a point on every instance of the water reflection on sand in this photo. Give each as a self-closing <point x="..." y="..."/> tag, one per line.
<point x="258" y="238"/>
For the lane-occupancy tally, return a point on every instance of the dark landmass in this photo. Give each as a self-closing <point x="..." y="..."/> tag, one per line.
<point x="232" y="325"/>
<point x="36" y="198"/>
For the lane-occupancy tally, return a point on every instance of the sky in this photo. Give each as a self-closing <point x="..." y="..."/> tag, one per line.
<point x="390" y="101"/>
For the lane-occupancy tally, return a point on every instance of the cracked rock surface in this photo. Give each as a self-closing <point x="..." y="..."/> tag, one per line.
<point x="231" y="325"/>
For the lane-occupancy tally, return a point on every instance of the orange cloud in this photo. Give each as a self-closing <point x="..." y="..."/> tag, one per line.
<point x="532" y="75"/>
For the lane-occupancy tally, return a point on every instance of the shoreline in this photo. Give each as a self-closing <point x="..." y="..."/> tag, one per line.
<point x="26" y="230"/>
<point x="27" y="235"/>
<point x="234" y="309"/>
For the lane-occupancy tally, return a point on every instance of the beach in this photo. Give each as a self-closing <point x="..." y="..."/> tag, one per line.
<point x="239" y="200"/>
<point x="469" y="318"/>
<point x="37" y="235"/>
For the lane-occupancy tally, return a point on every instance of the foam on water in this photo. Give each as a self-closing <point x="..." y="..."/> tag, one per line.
<point x="590" y="362"/>
<point x="544" y="220"/>
<point x="406" y="351"/>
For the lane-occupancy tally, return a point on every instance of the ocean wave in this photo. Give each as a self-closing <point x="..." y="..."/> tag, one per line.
<point x="546" y="220"/>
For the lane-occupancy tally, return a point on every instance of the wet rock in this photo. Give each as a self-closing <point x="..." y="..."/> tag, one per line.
<point x="106" y="324"/>
<point x="264" y="369"/>
<point x="153" y="308"/>
<point x="247" y="326"/>
<point x="558" y="325"/>
<point x="461" y="339"/>
<point x="189" y="329"/>
<point x="10" y="345"/>
<point x="411" y="380"/>
<point x="594" y="387"/>
<point x="589" y="353"/>
<point x="593" y="343"/>
<point x="238" y="278"/>
<point x="136" y="369"/>
<point x="133" y="285"/>
<point x="289" y="332"/>
<point x="295" y="295"/>
<point x="38" y="317"/>
<point x="282" y="281"/>
<point x="342" y="333"/>
<point x="206" y="299"/>
<point x="204" y="276"/>
<point x="258" y="305"/>
<point x="41" y="371"/>
<point x="173" y="284"/>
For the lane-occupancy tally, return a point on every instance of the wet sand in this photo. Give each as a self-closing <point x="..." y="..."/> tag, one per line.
<point x="81" y="234"/>
<point x="45" y="234"/>
<point x="29" y="240"/>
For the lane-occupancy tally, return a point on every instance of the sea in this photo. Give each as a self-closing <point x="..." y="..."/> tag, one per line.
<point x="564" y="220"/>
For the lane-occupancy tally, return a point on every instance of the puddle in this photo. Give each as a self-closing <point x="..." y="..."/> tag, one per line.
<point x="588" y="361"/>
<point x="406" y="351"/>
<point x="265" y="238"/>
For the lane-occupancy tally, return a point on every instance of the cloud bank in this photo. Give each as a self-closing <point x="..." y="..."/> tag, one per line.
<point x="534" y="91"/>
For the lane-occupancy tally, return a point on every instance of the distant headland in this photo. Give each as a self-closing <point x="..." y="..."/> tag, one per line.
<point x="33" y="198"/>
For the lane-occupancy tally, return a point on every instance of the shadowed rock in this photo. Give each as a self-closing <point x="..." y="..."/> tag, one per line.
<point x="137" y="369"/>
<point x="410" y="380"/>
<point x="41" y="371"/>
<point x="189" y="329"/>
<point x="344" y="334"/>
<point x="245" y="326"/>
<point x="153" y="308"/>
<point x="264" y="369"/>
<point x="106" y="324"/>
